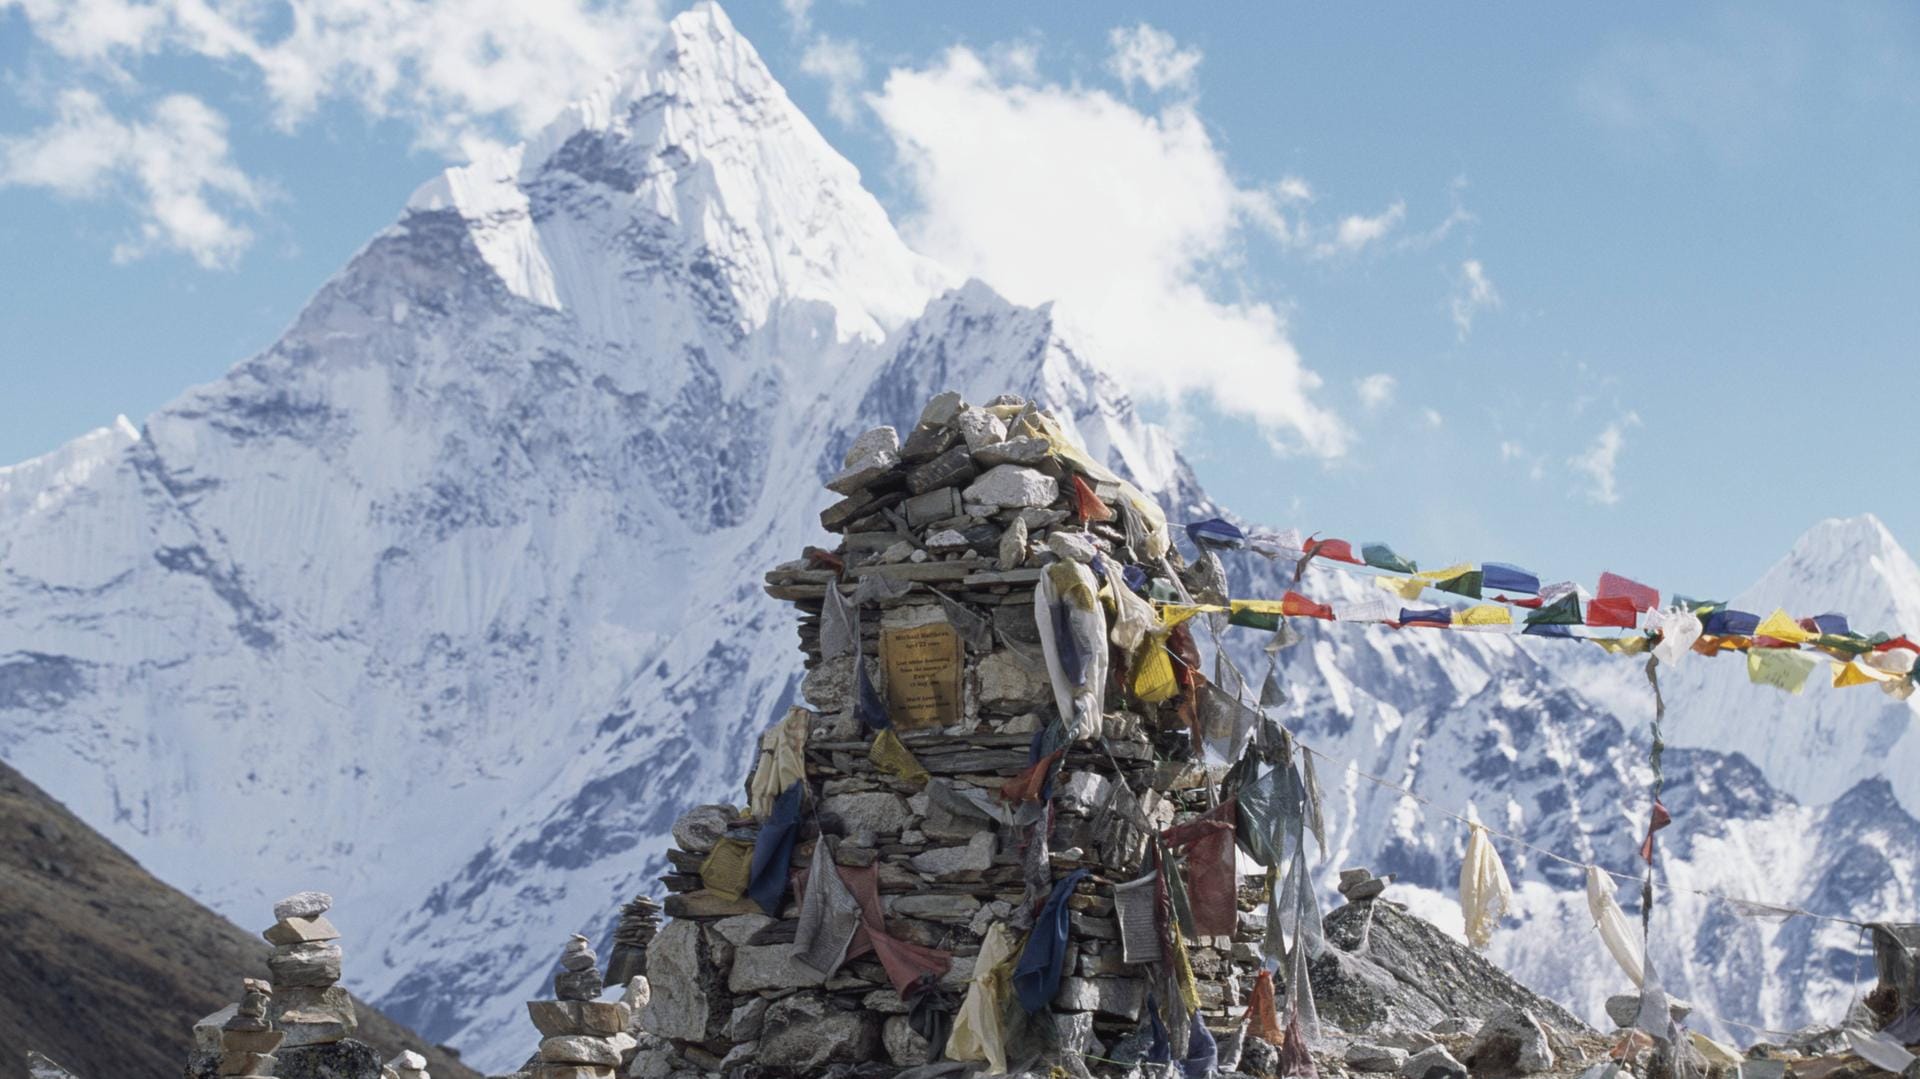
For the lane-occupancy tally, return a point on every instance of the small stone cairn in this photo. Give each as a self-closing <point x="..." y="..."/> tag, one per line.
<point x="582" y="1036"/>
<point x="407" y="1064"/>
<point x="248" y="1039"/>
<point x="639" y="924"/>
<point x="308" y="1006"/>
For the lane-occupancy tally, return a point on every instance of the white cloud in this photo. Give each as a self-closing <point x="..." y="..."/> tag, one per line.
<point x="1376" y="391"/>
<point x="1512" y="451"/>
<point x="1599" y="461"/>
<point x="838" y="63"/>
<point x="1151" y="57"/>
<point x="1356" y="231"/>
<point x="1472" y="293"/>
<point x="1066" y="193"/>
<point x="175" y="166"/>
<point x="462" y="73"/>
<point x="1433" y="418"/>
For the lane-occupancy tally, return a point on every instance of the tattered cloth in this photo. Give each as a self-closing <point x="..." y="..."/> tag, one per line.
<point x="773" y="850"/>
<point x="978" y="1033"/>
<point x="829" y="914"/>
<point x="1263" y="1017"/>
<point x="905" y="962"/>
<point x="1212" y="879"/>
<point x="783" y="759"/>
<point x="1037" y="976"/>
<point x="1134" y="904"/>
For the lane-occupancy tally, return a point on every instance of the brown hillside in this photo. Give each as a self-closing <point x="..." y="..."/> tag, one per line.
<point x="105" y="968"/>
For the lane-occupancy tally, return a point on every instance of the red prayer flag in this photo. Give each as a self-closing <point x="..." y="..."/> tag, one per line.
<point x="1898" y="642"/>
<point x="1087" y="505"/>
<point x="1533" y="603"/>
<point x="1661" y="818"/>
<point x="1293" y="604"/>
<point x="1337" y="549"/>
<point x="1026" y="786"/>
<point x="1611" y="611"/>
<point x="1613" y="586"/>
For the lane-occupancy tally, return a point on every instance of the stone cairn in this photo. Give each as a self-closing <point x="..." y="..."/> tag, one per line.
<point x="305" y="966"/>
<point x="944" y="542"/>
<point x="582" y="1037"/>
<point x="639" y="924"/>
<point x="247" y="1040"/>
<point x="300" y="1024"/>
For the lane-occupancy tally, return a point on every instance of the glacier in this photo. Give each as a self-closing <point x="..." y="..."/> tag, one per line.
<point x="448" y="601"/>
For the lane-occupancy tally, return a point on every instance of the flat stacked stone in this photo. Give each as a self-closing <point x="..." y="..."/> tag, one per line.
<point x="639" y="924"/>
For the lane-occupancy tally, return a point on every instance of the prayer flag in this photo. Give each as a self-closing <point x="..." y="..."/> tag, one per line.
<point x="1615" y="611"/>
<point x="1622" y="646"/>
<point x="1036" y="977"/>
<point x="1337" y="549"/>
<point x="1485" y="614"/>
<point x="1465" y="584"/>
<point x="1436" y="616"/>
<point x="1564" y="611"/>
<point x="1502" y="577"/>
<point x="1294" y="604"/>
<point x="1783" y="629"/>
<point x="1729" y="623"/>
<point x="1408" y="589"/>
<point x="1087" y="505"/>
<point x="1660" y="819"/>
<point x="1854" y="673"/>
<point x="1215" y="532"/>
<point x="1546" y="629"/>
<point x="1829" y="623"/>
<point x="1639" y="596"/>
<point x="1779" y="668"/>
<point x="1381" y="556"/>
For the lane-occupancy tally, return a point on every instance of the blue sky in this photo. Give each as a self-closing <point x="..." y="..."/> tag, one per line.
<point x="1631" y="288"/>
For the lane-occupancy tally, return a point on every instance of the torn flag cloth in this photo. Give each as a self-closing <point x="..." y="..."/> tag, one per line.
<point x="783" y="759"/>
<point x="829" y="914"/>
<point x="1611" y="921"/>
<point x="978" y="1033"/>
<point x="1485" y="892"/>
<point x="1036" y="978"/>
<point x="773" y="850"/>
<point x="1263" y="1020"/>
<point x="1212" y="879"/>
<point x="905" y="962"/>
<point x="1203" y="1052"/>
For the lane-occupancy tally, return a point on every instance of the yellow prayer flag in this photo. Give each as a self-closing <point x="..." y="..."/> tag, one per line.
<point x="892" y="756"/>
<point x="1623" y="646"/>
<point x="1484" y="614"/>
<point x="1781" y="627"/>
<point x="1172" y="614"/>
<point x="1851" y="673"/>
<point x="1258" y="606"/>
<point x="1153" y="679"/>
<point x="1405" y="588"/>
<point x="1779" y="668"/>
<point x="726" y="870"/>
<point x="1444" y="574"/>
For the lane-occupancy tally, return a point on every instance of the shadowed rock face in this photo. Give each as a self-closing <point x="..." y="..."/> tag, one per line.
<point x="1388" y="970"/>
<point x="106" y="969"/>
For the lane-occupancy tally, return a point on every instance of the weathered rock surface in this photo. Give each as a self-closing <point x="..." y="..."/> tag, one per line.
<point x="344" y="1059"/>
<point x="1433" y="1062"/>
<point x="807" y="1031"/>
<point x="1388" y="970"/>
<point x="1511" y="1043"/>
<point x="303" y="905"/>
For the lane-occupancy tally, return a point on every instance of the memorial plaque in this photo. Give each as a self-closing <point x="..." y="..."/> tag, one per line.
<point x="923" y="675"/>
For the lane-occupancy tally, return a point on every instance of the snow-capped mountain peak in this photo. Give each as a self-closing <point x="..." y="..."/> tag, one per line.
<point x="700" y="147"/>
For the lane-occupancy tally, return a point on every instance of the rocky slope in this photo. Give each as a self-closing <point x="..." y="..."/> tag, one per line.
<point x="106" y="969"/>
<point x="449" y="598"/>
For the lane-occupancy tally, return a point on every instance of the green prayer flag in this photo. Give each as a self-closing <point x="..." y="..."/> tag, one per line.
<point x="1381" y="556"/>
<point x="1254" y="619"/>
<point x="1564" y="611"/>
<point x="1467" y="584"/>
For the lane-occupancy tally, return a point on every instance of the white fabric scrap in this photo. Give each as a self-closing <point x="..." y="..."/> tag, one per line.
<point x="1485" y="891"/>
<point x="1082" y="708"/>
<point x="783" y="759"/>
<point x="1615" y="931"/>
<point x="1678" y="630"/>
<point x="1133" y="616"/>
